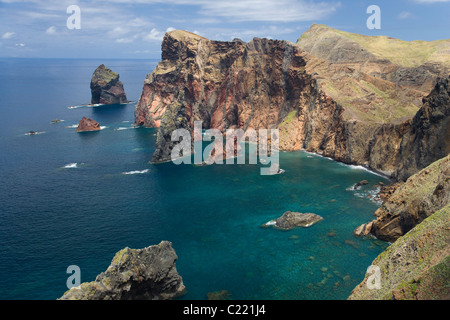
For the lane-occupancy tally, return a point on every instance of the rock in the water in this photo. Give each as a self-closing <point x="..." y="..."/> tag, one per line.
<point x="219" y="295"/>
<point x="290" y="220"/>
<point x="106" y="88"/>
<point x="361" y="183"/>
<point x="363" y="230"/>
<point x="87" y="124"/>
<point x="135" y="274"/>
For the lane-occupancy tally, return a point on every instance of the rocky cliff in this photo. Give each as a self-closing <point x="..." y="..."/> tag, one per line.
<point x="429" y="136"/>
<point x="416" y="266"/>
<point x="106" y="88"/>
<point x="419" y="197"/>
<point x="135" y="274"/>
<point x="351" y="104"/>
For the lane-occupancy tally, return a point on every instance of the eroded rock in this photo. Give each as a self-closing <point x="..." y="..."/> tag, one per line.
<point x="87" y="124"/>
<point x="290" y="220"/>
<point x="106" y="88"/>
<point x="135" y="274"/>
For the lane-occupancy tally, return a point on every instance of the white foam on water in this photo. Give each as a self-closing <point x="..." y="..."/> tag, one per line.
<point x="271" y="223"/>
<point x="71" y="166"/>
<point x="74" y="126"/>
<point x="136" y="172"/>
<point x="35" y="133"/>
<point x="124" y="128"/>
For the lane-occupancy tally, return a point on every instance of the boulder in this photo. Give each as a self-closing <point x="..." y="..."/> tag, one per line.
<point x="363" y="230"/>
<point x="87" y="124"/>
<point x="290" y="220"/>
<point x="361" y="183"/>
<point x="135" y="274"/>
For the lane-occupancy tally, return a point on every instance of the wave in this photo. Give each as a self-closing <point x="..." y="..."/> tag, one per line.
<point x="33" y="133"/>
<point x="351" y="166"/>
<point x="270" y="223"/>
<point x="95" y="105"/>
<point x="71" y="166"/>
<point x="124" y="128"/>
<point x="74" y="126"/>
<point x="136" y="172"/>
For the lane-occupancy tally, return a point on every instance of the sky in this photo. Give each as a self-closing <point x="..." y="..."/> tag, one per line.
<point x="134" y="29"/>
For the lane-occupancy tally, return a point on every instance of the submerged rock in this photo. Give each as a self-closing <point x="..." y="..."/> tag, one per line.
<point x="290" y="220"/>
<point x="219" y="295"/>
<point x="87" y="124"/>
<point x="135" y="274"/>
<point x="106" y="88"/>
<point x="361" y="183"/>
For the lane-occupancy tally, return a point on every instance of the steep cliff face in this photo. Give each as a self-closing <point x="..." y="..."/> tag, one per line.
<point x="344" y="105"/>
<point x="106" y="88"/>
<point x="260" y="85"/>
<point x="429" y="136"/>
<point x="419" y="197"/>
<point x="135" y="274"/>
<point x="416" y="266"/>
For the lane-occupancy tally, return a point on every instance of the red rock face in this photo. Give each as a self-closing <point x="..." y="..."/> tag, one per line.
<point x="263" y="84"/>
<point x="87" y="124"/>
<point x="225" y="85"/>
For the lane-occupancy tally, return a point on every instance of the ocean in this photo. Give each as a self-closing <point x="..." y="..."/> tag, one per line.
<point x="76" y="199"/>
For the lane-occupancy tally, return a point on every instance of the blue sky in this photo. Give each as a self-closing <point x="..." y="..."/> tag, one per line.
<point x="135" y="28"/>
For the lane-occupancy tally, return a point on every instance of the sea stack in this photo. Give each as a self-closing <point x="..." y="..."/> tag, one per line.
<point x="106" y="88"/>
<point x="87" y="124"/>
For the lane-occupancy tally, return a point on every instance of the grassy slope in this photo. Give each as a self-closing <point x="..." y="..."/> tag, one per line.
<point x="367" y="98"/>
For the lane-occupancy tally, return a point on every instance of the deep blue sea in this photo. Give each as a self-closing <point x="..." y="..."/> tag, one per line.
<point x="76" y="199"/>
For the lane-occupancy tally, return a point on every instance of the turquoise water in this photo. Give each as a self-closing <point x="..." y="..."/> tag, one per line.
<point x="65" y="199"/>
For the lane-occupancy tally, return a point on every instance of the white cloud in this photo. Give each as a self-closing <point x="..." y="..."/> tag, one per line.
<point x="405" y="15"/>
<point x="124" y="40"/>
<point x="20" y="44"/>
<point x="8" y="35"/>
<point x="154" y="35"/>
<point x="254" y="10"/>
<point x="51" y="30"/>
<point x="269" y="11"/>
